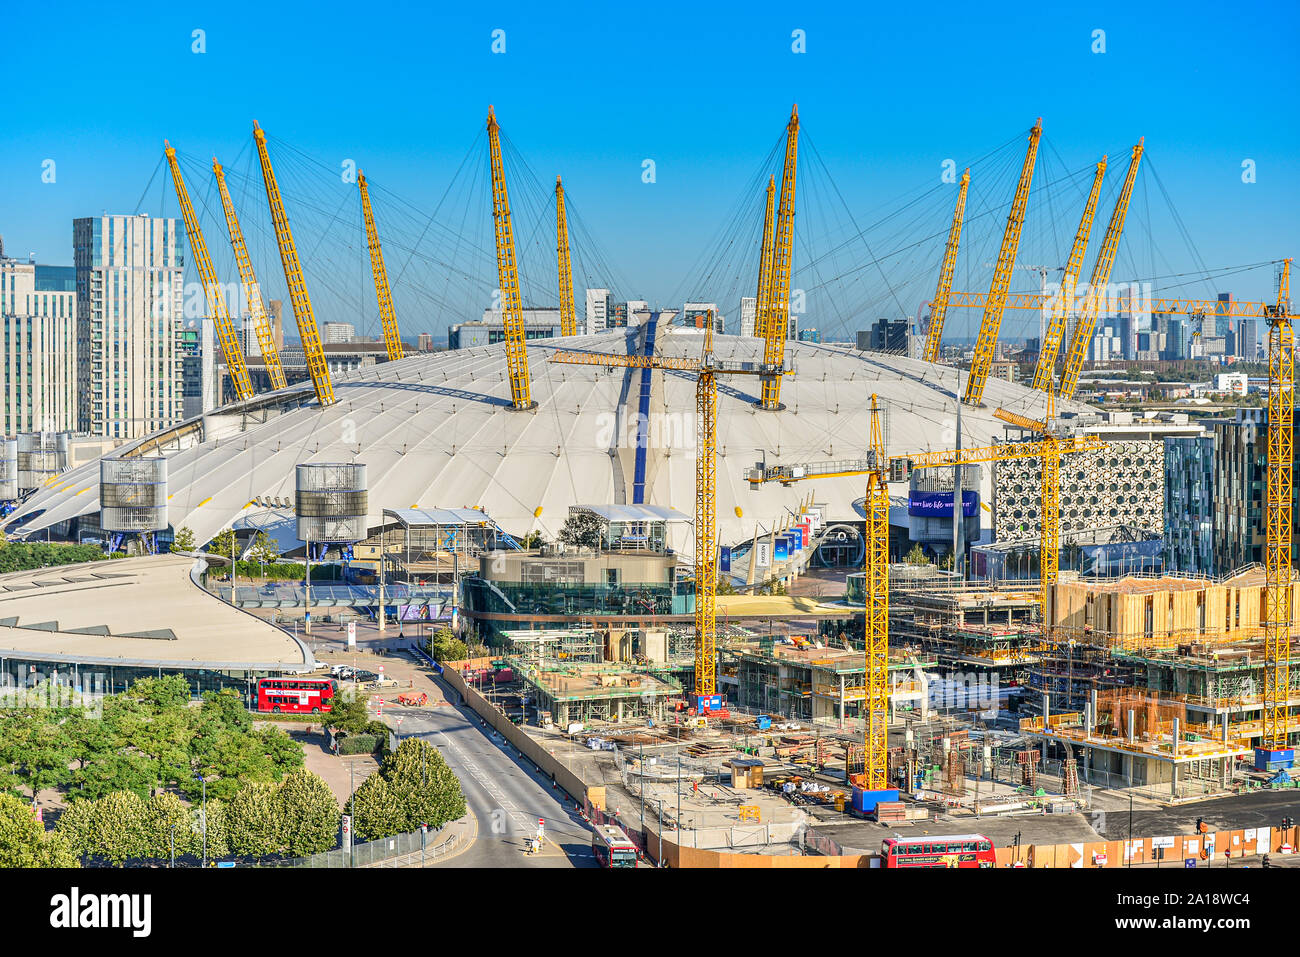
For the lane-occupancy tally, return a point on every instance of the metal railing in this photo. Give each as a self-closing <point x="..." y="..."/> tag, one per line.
<point x="412" y="849"/>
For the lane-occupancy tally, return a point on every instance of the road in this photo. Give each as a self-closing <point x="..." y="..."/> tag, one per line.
<point x="506" y="795"/>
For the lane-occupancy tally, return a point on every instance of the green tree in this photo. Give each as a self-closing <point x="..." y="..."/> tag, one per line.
<point x="166" y="815"/>
<point x="253" y="822"/>
<point x="413" y="786"/>
<point x="376" y="810"/>
<point x="223" y="543"/>
<point x="917" y="556"/>
<point x="581" y="530"/>
<point x="348" y="712"/>
<point x="725" y="586"/>
<point x="24" y="841"/>
<point x="310" y="813"/>
<point x="183" y="541"/>
<point x="533" y="540"/>
<point x="114" y="828"/>
<point x="445" y="646"/>
<point x="264" y="549"/>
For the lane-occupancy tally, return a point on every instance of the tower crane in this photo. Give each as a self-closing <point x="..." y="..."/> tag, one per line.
<point x="568" y="322"/>
<point x="387" y="315"/>
<point x="1097" y="296"/>
<point x="986" y="344"/>
<point x="879" y="468"/>
<point x="763" y="300"/>
<point x="939" y="306"/>
<point x="706" y="368"/>
<point x="248" y="279"/>
<point x="1051" y="342"/>
<point x="512" y="308"/>
<point x="777" y="323"/>
<point x="211" y="287"/>
<point x="1100" y="278"/>
<point x="1278" y="525"/>
<point x="293" y="277"/>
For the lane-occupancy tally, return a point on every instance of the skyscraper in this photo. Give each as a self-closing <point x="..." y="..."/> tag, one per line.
<point x="130" y="308"/>
<point x="38" y="348"/>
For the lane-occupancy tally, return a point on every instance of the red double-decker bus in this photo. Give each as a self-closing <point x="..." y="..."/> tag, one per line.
<point x="295" y="695"/>
<point x="957" y="850"/>
<point x="612" y="846"/>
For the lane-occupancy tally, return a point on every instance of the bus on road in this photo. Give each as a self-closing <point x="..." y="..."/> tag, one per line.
<point x="957" y="850"/>
<point x="295" y="695"/>
<point x="612" y="847"/>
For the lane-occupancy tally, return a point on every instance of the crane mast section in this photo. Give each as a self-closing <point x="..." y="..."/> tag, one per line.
<point x="1087" y="323"/>
<point x="1063" y="304"/>
<point x="211" y="287"/>
<point x="939" y="307"/>
<point x="252" y="291"/>
<point x="1279" y="521"/>
<point x="986" y="344"/>
<point x="778" y="321"/>
<point x="387" y="315"/>
<point x="512" y="309"/>
<point x="568" y="309"/>
<point x="293" y="277"/>
<point x="763" y="300"/>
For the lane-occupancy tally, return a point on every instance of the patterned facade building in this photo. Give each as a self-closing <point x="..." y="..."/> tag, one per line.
<point x="1122" y="484"/>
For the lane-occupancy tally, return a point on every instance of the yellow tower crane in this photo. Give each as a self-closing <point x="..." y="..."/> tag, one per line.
<point x="778" y="314"/>
<point x="568" y="319"/>
<point x="1061" y="308"/>
<point x="879" y="468"/>
<point x="512" y="307"/>
<point x="1100" y="278"/>
<point x="706" y="368"/>
<point x="211" y="287"/>
<point x="248" y="279"/>
<point x="875" y="767"/>
<point x="939" y="306"/>
<point x="987" y="343"/>
<point x="387" y="315"/>
<point x="293" y="277"/>
<point x="1278" y="527"/>
<point x="763" y="300"/>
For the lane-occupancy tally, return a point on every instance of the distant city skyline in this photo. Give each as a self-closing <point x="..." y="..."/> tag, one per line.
<point x="883" y="114"/>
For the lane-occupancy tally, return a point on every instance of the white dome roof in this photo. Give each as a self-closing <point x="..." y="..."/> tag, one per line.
<point x="437" y="430"/>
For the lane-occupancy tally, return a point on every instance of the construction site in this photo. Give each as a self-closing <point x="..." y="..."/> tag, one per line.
<point x="665" y="655"/>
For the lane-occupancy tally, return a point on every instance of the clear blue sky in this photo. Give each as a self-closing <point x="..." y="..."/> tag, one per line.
<point x="888" y="92"/>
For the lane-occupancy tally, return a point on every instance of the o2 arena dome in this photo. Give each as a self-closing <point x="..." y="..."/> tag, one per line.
<point x="436" y="430"/>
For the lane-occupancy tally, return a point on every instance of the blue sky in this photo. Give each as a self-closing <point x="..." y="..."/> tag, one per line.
<point x="704" y="90"/>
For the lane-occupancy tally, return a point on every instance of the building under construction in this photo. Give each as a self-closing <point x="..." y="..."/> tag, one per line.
<point x="1157" y="677"/>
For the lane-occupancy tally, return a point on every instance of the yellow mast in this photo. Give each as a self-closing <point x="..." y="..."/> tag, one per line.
<point x="568" y="321"/>
<point x="387" y="315"/>
<point x="939" y="307"/>
<point x="706" y="525"/>
<point x="211" y="287"/>
<point x="986" y="344"/>
<point x="763" y="300"/>
<point x="1278" y="520"/>
<point x="1087" y="323"/>
<point x="1051" y="344"/>
<point x="512" y="308"/>
<point x="298" y="295"/>
<point x="778" y="320"/>
<point x="248" y="278"/>
<point x="875" y="768"/>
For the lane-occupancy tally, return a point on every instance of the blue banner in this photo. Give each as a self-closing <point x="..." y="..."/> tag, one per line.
<point x="781" y="549"/>
<point x="724" y="558"/>
<point x="939" y="504"/>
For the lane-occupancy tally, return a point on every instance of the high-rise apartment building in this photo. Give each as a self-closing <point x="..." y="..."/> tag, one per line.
<point x="38" y="348"/>
<point x="130" y="313"/>
<point x="338" y="332"/>
<point x="1189" y="504"/>
<point x="597" y="310"/>
<point x="748" y="315"/>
